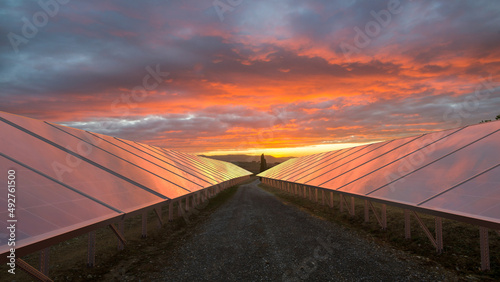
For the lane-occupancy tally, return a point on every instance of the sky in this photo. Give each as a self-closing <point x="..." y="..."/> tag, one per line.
<point x="283" y="77"/>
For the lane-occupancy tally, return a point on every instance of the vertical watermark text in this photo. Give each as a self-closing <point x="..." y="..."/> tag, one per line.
<point x="12" y="220"/>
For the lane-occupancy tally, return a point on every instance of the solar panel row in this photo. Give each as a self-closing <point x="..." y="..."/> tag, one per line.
<point x="455" y="172"/>
<point x="70" y="179"/>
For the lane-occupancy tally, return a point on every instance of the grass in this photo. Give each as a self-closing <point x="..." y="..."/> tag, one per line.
<point x="141" y="258"/>
<point x="461" y="252"/>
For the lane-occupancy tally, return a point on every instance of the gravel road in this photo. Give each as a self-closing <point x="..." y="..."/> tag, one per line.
<point x="256" y="237"/>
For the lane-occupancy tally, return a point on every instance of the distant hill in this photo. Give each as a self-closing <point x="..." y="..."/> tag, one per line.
<point x="247" y="158"/>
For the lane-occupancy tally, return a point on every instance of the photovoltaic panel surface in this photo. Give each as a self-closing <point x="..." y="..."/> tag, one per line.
<point x="44" y="207"/>
<point x="70" y="180"/>
<point x="453" y="172"/>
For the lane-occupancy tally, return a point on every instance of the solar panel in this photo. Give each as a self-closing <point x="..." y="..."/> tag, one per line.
<point x="179" y="181"/>
<point x="319" y="159"/>
<point x="138" y="170"/>
<point x="416" y="155"/>
<point x="201" y="165"/>
<point x="305" y="162"/>
<point x="187" y="166"/>
<point x="84" y="176"/>
<point x="282" y="166"/>
<point x="276" y="173"/>
<point x="319" y="173"/>
<point x="373" y="167"/>
<point x="479" y="196"/>
<point x="435" y="176"/>
<point x="455" y="172"/>
<point x="72" y="181"/>
<point x="45" y="208"/>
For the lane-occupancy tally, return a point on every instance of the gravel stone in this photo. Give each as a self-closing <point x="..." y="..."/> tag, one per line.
<point x="256" y="237"/>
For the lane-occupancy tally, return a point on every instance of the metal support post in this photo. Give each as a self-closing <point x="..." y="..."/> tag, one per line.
<point x="120" y="232"/>
<point x="158" y="216"/>
<point x="119" y="235"/>
<point x="439" y="234"/>
<point x="44" y="261"/>
<point x="144" y="233"/>
<point x="91" y="249"/>
<point x="367" y="212"/>
<point x="485" y="248"/>
<point x="426" y="230"/>
<point x="384" y="216"/>
<point x="31" y="270"/>
<point x="341" y="203"/>
<point x="407" y="225"/>
<point x="171" y="210"/>
<point x="353" y="205"/>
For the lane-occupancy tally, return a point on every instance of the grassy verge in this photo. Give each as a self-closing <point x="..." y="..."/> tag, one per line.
<point x="461" y="241"/>
<point x="141" y="258"/>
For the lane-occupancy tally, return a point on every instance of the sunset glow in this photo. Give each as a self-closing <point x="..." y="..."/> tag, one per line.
<point x="284" y="78"/>
<point x="286" y="152"/>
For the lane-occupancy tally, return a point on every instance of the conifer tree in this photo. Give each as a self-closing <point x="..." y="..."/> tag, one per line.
<point x="263" y="163"/>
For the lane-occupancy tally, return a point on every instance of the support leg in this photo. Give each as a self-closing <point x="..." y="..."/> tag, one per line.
<point x="384" y="216"/>
<point x="407" y="225"/>
<point x="31" y="270"/>
<point x="352" y="211"/>
<point x="439" y="234"/>
<point x="341" y="203"/>
<point x="44" y="261"/>
<point x="179" y="208"/>
<point x="144" y="233"/>
<point x="121" y="230"/>
<point x="426" y="230"/>
<point x="350" y="207"/>
<point x="485" y="248"/>
<point x="367" y="212"/>
<point x="171" y="210"/>
<point x="158" y="216"/>
<point x="119" y="235"/>
<point x="91" y="249"/>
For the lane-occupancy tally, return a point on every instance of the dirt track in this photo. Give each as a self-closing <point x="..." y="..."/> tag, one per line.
<point x="255" y="237"/>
